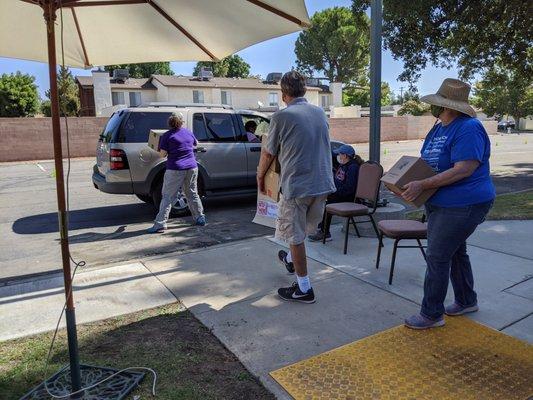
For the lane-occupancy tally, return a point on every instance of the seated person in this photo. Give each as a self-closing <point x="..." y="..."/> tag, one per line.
<point x="250" y="128"/>
<point x="345" y="177"/>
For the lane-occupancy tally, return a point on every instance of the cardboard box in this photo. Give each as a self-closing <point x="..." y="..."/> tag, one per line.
<point x="267" y="204"/>
<point x="154" y="137"/>
<point x="408" y="169"/>
<point x="272" y="181"/>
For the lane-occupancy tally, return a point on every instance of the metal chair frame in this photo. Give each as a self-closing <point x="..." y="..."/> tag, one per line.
<point x="397" y="246"/>
<point x="351" y="220"/>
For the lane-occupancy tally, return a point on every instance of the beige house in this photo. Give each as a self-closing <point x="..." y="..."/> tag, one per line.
<point x="100" y="94"/>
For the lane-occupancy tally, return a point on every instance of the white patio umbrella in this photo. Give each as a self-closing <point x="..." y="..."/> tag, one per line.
<point x="103" y="32"/>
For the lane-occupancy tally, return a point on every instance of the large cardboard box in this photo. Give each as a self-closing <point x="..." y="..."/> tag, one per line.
<point x="154" y="138"/>
<point x="267" y="204"/>
<point x="272" y="181"/>
<point x="408" y="169"/>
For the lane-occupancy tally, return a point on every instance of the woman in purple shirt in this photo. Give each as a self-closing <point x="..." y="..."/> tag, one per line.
<point x="181" y="174"/>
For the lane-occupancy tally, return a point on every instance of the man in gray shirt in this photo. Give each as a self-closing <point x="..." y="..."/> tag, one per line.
<point x="299" y="137"/>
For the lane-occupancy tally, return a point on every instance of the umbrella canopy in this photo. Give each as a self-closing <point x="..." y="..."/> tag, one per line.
<point x="103" y="32"/>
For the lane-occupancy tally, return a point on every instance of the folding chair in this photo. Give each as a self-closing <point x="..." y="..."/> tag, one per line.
<point x="368" y="185"/>
<point x="402" y="229"/>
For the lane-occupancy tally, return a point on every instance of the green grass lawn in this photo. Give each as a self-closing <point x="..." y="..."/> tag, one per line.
<point x="506" y="206"/>
<point x="190" y="361"/>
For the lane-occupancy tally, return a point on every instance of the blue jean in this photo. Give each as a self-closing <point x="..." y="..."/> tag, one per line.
<point x="447" y="258"/>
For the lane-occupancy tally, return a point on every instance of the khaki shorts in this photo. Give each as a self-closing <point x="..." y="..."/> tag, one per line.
<point x="299" y="217"/>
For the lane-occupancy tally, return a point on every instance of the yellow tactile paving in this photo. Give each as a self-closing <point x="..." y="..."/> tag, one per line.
<point x="461" y="361"/>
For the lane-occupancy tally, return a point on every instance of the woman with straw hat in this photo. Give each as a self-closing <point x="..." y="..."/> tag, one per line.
<point x="458" y="149"/>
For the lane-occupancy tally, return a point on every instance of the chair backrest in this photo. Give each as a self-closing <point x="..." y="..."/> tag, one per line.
<point x="369" y="182"/>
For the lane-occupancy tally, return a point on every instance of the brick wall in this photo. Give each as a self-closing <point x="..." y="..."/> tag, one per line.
<point x="23" y="139"/>
<point x="356" y="130"/>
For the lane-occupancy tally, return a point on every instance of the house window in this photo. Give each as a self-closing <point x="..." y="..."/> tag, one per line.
<point x="135" y="99"/>
<point x="197" y="96"/>
<point x="325" y="101"/>
<point x="117" y="98"/>
<point x="273" y="99"/>
<point x="226" y="97"/>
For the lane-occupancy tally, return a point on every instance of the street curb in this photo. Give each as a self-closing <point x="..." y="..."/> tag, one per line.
<point x="8" y="285"/>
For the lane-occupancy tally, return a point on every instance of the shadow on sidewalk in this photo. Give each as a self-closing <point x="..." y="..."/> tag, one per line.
<point x="116" y="215"/>
<point x="87" y="218"/>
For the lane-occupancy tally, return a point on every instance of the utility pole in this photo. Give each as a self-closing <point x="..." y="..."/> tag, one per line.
<point x="375" y="79"/>
<point x="401" y="94"/>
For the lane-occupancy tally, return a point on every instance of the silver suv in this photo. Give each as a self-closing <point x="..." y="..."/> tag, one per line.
<point x="227" y="160"/>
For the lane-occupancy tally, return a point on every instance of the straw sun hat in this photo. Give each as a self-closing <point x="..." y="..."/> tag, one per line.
<point x="452" y="94"/>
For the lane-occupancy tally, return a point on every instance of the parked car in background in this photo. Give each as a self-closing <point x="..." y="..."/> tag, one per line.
<point x="504" y="124"/>
<point x="227" y="160"/>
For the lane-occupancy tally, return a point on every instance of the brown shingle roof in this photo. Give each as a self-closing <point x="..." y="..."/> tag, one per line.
<point x="130" y="83"/>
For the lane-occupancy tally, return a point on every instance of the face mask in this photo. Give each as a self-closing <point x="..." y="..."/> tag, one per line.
<point x="340" y="159"/>
<point x="436" y="110"/>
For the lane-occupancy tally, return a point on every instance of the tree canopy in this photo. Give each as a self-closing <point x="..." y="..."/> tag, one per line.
<point x="471" y="34"/>
<point x="18" y="95"/>
<point x="144" y="70"/>
<point x="69" y="101"/>
<point x="229" y="67"/>
<point x="337" y="45"/>
<point x="413" y="107"/>
<point x="504" y="92"/>
<point x="360" y="94"/>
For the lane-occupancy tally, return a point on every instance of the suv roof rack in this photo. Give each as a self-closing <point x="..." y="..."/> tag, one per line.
<point x="203" y="105"/>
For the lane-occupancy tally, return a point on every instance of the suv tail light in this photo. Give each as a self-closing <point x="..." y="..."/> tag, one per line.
<point x="117" y="159"/>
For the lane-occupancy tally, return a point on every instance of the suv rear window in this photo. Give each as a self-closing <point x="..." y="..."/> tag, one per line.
<point x="111" y="127"/>
<point x="138" y="124"/>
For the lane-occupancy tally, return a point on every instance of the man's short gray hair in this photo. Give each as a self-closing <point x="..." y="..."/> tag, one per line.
<point x="293" y="84"/>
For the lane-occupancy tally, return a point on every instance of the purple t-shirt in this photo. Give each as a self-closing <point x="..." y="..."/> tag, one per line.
<point x="179" y="144"/>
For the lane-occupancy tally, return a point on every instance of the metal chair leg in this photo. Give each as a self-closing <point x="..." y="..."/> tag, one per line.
<point x="355" y="227"/>
<point x="421" y="249"/>
<point x="374" y="224"/>
<point x="393" y="260"/>
<point x="325" y="228"/>
<point x="347" y="231"/>
<point x="379" y="250"/>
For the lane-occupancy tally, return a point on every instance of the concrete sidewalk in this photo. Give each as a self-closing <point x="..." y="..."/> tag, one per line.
<point x="232" y="290"/>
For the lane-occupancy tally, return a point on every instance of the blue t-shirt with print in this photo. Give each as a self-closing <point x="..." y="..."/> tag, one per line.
<point x="463" y="139"/>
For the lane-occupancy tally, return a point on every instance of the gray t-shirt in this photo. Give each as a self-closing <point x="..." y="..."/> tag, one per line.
<point x="299" y="136"/>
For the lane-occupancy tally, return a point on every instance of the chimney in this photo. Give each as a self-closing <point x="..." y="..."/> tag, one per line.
<point x="102" y="91"/>
<point x="336" y="89"/>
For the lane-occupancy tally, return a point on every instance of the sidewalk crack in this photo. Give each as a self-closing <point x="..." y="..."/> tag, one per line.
<point x="515" y="322"/>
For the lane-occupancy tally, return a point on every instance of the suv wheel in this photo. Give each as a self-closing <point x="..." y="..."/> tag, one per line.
<point x="180" y="208"/>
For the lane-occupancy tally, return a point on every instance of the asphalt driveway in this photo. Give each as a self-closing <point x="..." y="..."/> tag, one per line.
<point x="105" y="229"/>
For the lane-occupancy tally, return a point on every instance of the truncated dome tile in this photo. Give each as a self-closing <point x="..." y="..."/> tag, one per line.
<point x="463" y="360"/>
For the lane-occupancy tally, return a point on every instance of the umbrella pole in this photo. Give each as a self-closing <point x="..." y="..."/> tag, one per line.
<point x="50" y="16"/>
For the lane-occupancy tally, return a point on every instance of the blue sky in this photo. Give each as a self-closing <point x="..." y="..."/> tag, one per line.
<point x="261" y="60"/>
